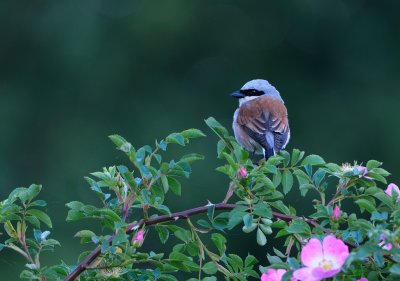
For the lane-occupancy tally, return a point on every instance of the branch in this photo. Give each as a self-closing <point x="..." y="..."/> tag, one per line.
<point x="173" y="217"/>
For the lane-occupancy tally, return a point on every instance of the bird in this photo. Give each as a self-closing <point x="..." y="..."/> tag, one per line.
<point x="260" y="123"/>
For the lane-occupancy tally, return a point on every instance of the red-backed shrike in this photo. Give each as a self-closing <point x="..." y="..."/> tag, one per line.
<point x="260" y="123"/>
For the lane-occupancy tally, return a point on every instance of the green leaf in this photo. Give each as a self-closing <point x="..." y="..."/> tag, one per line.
<point x="216" y="127"/>
<point x="210" y="268"/>
<point x="174" y="185"/>
<point x="365" y="204"/>
<point x="75" y="205"/>
<point x="261" y="238"/>
<point x="395" y="269"/>
<point x="219" y="242"/>
<point x="297" y="155"/>
<point x="287" y="181"/>
<point x="165" y="183"/>
<point x="299" y="226"/>
<point x="33" y="220"/>
<point x="85" y="234"/>
<point x="211" y="278"/>
<point x="192" y="157"/>
<point x="286" y="157"/>
<point x="280" y="206"/>
<point x="175" y="138"/>
<point x="120" y="238"/>
<point x="371" y="164"/>
<point x="122" y="144"/>
<point x="192" y="133"/>
<point x="312" y="160"/>
<point x="250" y="261"/>
<point x="40" y="215"/>
<point x="163" y="233"/>
<point x="263" y="210"/>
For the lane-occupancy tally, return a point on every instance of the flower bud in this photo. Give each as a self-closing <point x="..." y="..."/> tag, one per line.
<point x="336" y="214"/>
<point x="138" y="239"/>
<point x="242" y="173"/>
<point x="44" y="235"/>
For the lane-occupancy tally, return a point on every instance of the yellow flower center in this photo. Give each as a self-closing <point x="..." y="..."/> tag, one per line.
<point x="326" y="264"/>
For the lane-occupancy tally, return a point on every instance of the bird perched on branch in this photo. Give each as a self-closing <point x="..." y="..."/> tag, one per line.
<point x="260" y="123"/>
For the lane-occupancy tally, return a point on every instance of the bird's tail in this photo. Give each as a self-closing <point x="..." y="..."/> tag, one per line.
<point x="268" y="152"/>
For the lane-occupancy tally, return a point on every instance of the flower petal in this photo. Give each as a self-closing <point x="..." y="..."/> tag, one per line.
<point x="273" y="275"/>
<point x="305" y="274"/>
<point x="312" y="254"/>
<point x="335" y="251"/>
<point x="393" y="188"/>
<point x="320" y="273"/>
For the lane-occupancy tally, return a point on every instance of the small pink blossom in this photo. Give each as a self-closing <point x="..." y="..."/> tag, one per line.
<point x="383" y="244"/>
<point x="322" y="260"/>
<point x="363" y="171"/>
<point x="362" y="279"/>
<point x="242" y="173"/>
<point x="138" y="239"/>
<point x="273" y="275"/>
<point x="393" y="188"/>
<point x="336" y="213"/>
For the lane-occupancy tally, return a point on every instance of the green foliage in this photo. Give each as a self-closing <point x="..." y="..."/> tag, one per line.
<point x="136" y="193"/>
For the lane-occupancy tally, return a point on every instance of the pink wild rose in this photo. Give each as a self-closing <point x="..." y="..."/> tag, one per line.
<point x="336" y="213"/>
<point x="273" y="275"/>
<point x="138" y="238"/>
<point x="322" y="260"/>
<point x="242" y="173"/>
<point x="393" y="188"/>
<point x="383" y="244"/>
<point x="363" y="170"/>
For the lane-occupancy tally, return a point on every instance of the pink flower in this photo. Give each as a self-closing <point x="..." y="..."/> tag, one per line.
<point x="363" y="170"/>
<point x="138" y="239"/>
<point x="322" y="260"/>
<point x="336" y="214"/>
<point x="242" y="173"/>
<point x="392" y="187"/>
<point x="273" y="275"/>
<point x="383" y="244"/>
<point x="362" y="279"/>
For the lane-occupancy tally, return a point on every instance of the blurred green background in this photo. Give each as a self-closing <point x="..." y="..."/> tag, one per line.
<point x="74" y="72"/>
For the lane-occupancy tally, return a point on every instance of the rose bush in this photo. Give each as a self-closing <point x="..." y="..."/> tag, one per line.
<point x="360" y="242"/>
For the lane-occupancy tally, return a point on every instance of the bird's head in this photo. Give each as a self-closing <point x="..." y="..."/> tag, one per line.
<point x="254" y="89"/>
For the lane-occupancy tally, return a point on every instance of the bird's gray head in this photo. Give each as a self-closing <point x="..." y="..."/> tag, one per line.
<point x="254" y="89"/>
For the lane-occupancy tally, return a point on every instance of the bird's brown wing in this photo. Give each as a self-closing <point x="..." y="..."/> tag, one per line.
<point x="265" y="115"/>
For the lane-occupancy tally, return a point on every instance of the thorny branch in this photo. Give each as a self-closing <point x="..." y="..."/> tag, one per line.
<point x="176" y="216"/>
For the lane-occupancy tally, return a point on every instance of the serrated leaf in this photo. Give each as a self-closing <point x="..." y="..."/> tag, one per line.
<point x="40" y="215"/>
<point x="85" y="234"/>
<point x="192" y="133"/>
<point x="313" y="160"/>
<point x="175" y="138"/>
<point x="263" y="210"/>
<point x="297" y="155"/>
<point x="371" y="164"/>
<point x="298" y="226"/>
<point x="174" y="185"/>
<point x="219" y="242"/>
<point x="365" y="204"/>
<point x="210" y="268"/>
<point x="192" y="157"/>
<point x="287" y="181"/>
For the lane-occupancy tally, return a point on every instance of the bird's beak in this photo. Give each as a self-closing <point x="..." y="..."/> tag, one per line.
<point x="237" y="95"/>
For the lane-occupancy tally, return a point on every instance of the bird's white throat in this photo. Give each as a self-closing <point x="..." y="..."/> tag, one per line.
<point x="242" y="100"/>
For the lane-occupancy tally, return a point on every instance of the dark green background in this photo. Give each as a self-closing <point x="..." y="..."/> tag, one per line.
<point x="73" y="72"/>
